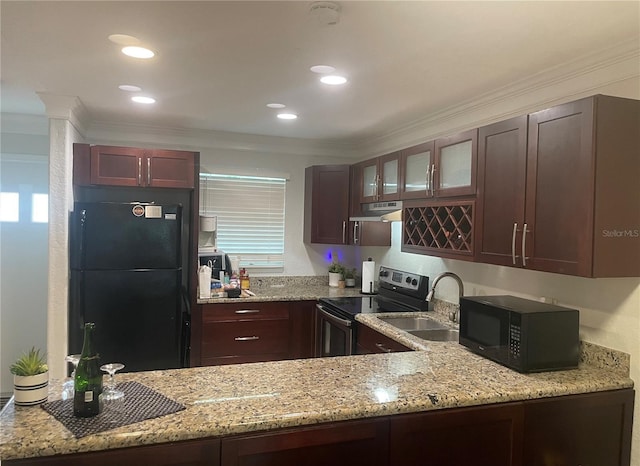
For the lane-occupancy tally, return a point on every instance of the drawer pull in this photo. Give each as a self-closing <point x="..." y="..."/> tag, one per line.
<point x="246" y="338"/>
<point x="247" y="311"/>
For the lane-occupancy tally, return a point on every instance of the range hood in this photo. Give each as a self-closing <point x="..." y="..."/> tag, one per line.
<point x="380" y="212"/>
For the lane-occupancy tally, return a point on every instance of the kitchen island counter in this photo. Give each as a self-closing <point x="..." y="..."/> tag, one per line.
<point x="234" y="399"/>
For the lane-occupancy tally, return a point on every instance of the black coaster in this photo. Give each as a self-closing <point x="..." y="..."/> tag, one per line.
<point x="139" y="403"/>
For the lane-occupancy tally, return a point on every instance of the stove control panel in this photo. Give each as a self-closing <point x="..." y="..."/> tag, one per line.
<point x="397" y="279"/>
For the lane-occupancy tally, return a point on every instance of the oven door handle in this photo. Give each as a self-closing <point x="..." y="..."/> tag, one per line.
<point x="333" y="318"/>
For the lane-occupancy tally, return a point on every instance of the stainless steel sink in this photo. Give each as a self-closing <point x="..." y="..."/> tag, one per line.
<point x="439" y="334"/>
<point x="413" y="323"/>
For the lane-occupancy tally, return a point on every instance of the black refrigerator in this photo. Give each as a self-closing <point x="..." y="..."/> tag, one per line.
<point x="126" y="276"/>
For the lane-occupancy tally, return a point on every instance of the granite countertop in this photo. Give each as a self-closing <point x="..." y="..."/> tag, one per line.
<point x="224" y="400"/>
<point x="308" y="288"/>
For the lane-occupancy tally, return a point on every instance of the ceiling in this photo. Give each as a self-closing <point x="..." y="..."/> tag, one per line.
<point x="219" y="63"/>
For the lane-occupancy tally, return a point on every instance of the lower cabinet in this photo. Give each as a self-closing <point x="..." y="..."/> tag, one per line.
<point x="478" y="436"/>
<point x="593" y="429"/>
<point x="353" y="443"/>
<point x="233" y="333"/>
<point x="202" y="452"/>
<point x="368" y="341"/>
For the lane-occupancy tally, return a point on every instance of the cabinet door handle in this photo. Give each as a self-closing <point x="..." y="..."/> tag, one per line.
<point x="513" y="243"/>
<point x="247" y="311"/>
<point x="355" y="232"/>
<point x="433" y="170"/>
<point x="344" y="232"/>
<point x="428" y="180"/>
<point x="524" y="245"/>
<point x="251" y="338"/>
<point x="380" y="346"/>
<point x="148" y="172"/>
<point x="139" y="171"/>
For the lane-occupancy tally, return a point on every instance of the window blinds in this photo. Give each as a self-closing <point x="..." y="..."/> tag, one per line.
<point x="250" y="213"/>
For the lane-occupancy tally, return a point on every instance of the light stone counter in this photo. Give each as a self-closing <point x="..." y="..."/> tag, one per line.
<point x="308" y="288"/>
<point x="234" y="399"/>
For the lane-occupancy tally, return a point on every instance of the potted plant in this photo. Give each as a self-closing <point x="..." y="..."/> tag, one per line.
<point x="336" y="274"/>
<point x="350" y="277"/>
<point x="30" y="378"/>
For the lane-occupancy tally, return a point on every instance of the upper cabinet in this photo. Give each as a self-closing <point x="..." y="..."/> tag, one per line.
<point x="133" y="167"/>
<point x="566" y="201"/>
<point x="416" y="165"/>
<point x="326" y="211"/>
<point x="502" y="165"/>
<point x="326" y="204"/>
<point x="377" y="179"/>
<point x="453" y="170"/>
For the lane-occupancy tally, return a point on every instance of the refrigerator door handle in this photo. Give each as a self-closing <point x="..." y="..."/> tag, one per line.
<point x="185" y="349"/>
<point x="82" y="239"/>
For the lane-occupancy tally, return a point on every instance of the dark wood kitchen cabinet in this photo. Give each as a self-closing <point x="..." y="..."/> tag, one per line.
<point x="368" y="341"/>
<point x="231" y="333"/>
<point x="590" y="430"/>
<point x="133" y="167"/>
<point x="353" y="443"/>
<point x="377" y="179"/>
<point x="327" y="209"/>
<point x="453" y="170"/>
<point x="415" y="166"/>
<point x="478" y="436"/>
<point x="326" y="204"/>
<point x="502" y="166"/>
<point x="565" y="201"/>
<point x="201" y="452"/>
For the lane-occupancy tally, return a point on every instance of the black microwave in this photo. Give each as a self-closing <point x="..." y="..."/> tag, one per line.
<point x="524" y="335"/>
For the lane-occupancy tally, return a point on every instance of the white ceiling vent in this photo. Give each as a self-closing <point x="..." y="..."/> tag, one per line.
<point x="325" y="13"/>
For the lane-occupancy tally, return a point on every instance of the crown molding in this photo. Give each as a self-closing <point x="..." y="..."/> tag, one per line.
<point x="65" y="107"/>
<point x="569" y="81"/>
<point x="196" y="139"/>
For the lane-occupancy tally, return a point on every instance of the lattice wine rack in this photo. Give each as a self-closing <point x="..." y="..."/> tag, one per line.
<point x="445" y="226"/>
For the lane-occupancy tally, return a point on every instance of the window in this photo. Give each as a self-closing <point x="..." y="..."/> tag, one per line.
<point x="40" y="208"/>
<point x="250" y="211"/>
<point x="9" y="207"/>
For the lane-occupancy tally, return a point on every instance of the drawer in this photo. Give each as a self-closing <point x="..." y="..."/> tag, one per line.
<point x="225" y="312"/>
<point x="245" y="338"/>
<point x="370" y="341"/>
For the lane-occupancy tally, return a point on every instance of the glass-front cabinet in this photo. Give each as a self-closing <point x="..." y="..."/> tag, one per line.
<point x="378" y="179"/>
<point x="453" y="172"/>
<point x="416" y="163"/>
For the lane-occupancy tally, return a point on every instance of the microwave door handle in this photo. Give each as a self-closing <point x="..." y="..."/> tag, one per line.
<point x="330" y="317"/>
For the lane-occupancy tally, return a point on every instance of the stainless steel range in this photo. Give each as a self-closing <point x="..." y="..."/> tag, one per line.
<point x="398" y="292"/>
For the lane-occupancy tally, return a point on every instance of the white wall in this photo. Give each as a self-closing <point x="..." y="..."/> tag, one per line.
<point x="24" y="167"/>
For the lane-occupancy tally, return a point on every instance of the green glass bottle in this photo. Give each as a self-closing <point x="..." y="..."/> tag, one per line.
<point x="87" y="399"/>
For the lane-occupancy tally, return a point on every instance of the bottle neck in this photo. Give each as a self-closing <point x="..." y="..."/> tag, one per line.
<point x="87" y="346"/>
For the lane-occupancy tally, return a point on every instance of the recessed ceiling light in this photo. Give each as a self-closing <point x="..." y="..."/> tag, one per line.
<point x="124" y="39"/>
<point x="138" y="52"/>
<point x="287" y="116"/>
<point x="129" y="88"/>
<point x="275" y="105"/>
<point x="143" y="99"/>
<point x="322" y="69"/>
<point x="334" y="80"/>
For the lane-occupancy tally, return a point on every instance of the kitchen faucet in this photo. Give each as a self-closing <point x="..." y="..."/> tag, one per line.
<point x="453" y="316"/>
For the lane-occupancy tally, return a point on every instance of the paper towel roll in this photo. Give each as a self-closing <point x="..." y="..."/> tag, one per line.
<point x="368" y="276"/>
